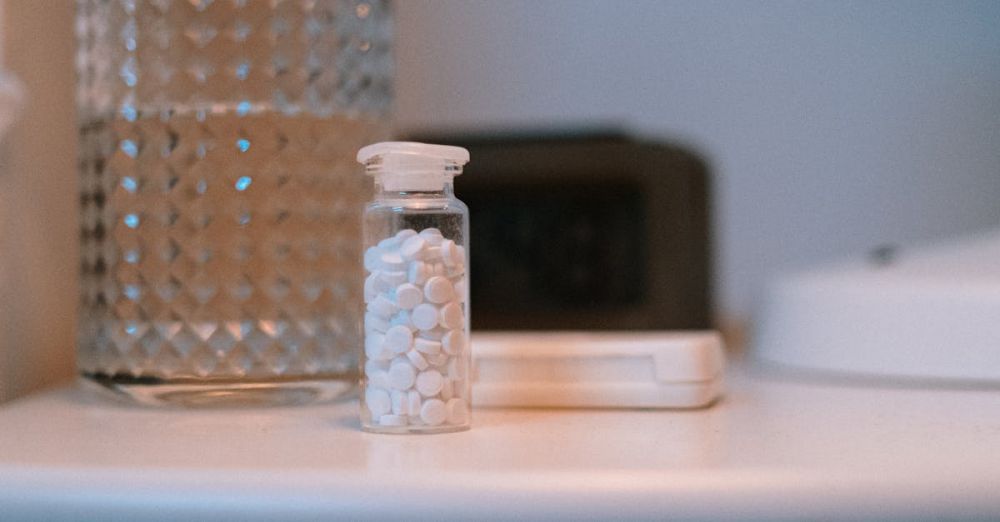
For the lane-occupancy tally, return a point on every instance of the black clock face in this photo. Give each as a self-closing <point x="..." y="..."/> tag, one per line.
<point x="560" y="246"/>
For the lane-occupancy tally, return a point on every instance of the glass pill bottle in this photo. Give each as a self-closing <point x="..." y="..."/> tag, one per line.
<point x="416" y="360"/>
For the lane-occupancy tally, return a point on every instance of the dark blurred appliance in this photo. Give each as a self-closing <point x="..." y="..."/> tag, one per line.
<point x="594" y="231"/>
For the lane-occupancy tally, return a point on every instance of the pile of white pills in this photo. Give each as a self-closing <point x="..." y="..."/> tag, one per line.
<point x="416" y="351"/>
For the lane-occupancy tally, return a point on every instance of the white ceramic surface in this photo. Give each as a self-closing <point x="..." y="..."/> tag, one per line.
<point x="773" y="448"/>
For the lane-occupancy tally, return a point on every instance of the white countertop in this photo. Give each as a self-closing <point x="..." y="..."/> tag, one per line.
<point x="773" y="448"/>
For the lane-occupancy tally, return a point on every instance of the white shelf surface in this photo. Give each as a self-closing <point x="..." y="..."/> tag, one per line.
<point x="773" y="448"/>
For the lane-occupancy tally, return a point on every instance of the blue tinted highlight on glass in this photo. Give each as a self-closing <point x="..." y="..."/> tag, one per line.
<point x="131" y="220"/>
<point x="243" y="183"/>
<point x="129" y="147"/>
<point x="243" y="108"/>
<point x="129" y="184"/>
<point x="243" y="144"/>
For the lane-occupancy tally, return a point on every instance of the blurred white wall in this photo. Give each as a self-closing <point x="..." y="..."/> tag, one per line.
<point x="832" y="127"/>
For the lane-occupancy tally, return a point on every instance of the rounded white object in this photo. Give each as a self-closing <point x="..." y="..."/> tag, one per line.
<point x="450" y="254"/>
<point x="398" y="338"/>
<point x="375" y="346"/>
<point x="432" y="236"/>
<point x="382" y="306"/>
<point x="454" y="342"/>
<point x="391" y="279"/>
<point x="392" y="420"/>
<point x="433" y="412"/>
<point x="447" y="389"/>
<point x="405" y="234"/>
<point x="378" y="401"/>
<point x="401" y="375"/>
<point x="452" y="316"/>
<point x="414" y="402"/>
<point x="379" y="379"/>
<point x="374" y="323"/>
<point x="418" y="272"/>
<point x="439" y="290"/>
<point x="408" y="296"/>
<point x="424" y="316"/>
<point x="429" y="383"/>
<point x="372" y="256"/>
<point x="412" y="247"/>
<point x="417" y="359"/>
<point x="392" y="261"/>
<point x="427" y="346"/>
<point x="400" y="402"/>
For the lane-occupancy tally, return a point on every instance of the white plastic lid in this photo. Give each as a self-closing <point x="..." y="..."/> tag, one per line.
<point x="406" y="165"/>
<point x="456" y="155"/>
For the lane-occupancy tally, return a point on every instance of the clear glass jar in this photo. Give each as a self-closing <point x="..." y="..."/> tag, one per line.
<point x="416" y="361"/>
<point x="220" y="201"/>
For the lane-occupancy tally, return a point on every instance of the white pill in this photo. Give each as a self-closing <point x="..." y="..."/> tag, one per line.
<point x="378" y="402"/>
<point x="398" y="338"/>
<point x="454" y="270"/>
<point x="402" y="318"/>
<point x="418" y="272"/>
<point x="378" y="282"/>
<point x="392" y="261"/>
<point x="439" y="269"/>
<point x="370" y="291"/>
<point x="389" y="243"/>
<point x="431" y="254"/>
<point x="408" y="296"/>
<point x="374" y="346"/>
<point x="382" y="306"/>
<point x="424" y="316"/>
<point x="392" y="278"/>
<point x="379" y="379"/>
<point x="446" y="389"/>
<point x="452" y="316"/>
<point x="417" y="359"/>
<point x="453" y="342"/>
<point x="400" y="402"/>
<point x="413" y="247"/>
<point x="374" y="323"/>
<point x="460" y="289"/>
<point x="439" y="290"/>
<point x="372" y="256"/>
<point x="438" y="359"/>
<point x="414" y="402"/>
<point x="434" y="334"/>
<point x="405" y="234"/>
<point x="401" y="375"/>
<point x="449" y="253"/>
<point x="460" y="253"/>
<point x="375" y="365"/>
<point x="432" y="236"/>
<point x="433" y="412"/>
<point x="392" y="420"/>
<point x="427" y="346"/>
<point x="458" y="411"/>
<point x="456" y="369"/>
<point x="429" y="383"/>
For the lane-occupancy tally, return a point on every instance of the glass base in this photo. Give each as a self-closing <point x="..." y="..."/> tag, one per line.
<point x="425" y="430"/>
<point x="226" y="393"/>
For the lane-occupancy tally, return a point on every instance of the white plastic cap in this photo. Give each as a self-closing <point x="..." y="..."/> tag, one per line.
<point x="405" y="165"/>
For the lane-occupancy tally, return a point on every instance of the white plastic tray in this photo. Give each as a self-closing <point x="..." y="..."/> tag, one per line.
<point x="599" y="370"/>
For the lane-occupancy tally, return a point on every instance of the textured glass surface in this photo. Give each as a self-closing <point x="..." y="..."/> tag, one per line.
<point x="220" y="197"/>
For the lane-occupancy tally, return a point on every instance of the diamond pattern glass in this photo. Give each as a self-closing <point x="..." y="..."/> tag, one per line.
<point x="219" y="194"/>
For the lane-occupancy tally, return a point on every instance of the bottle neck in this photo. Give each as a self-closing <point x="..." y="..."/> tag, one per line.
<point x="445" y="190"/>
